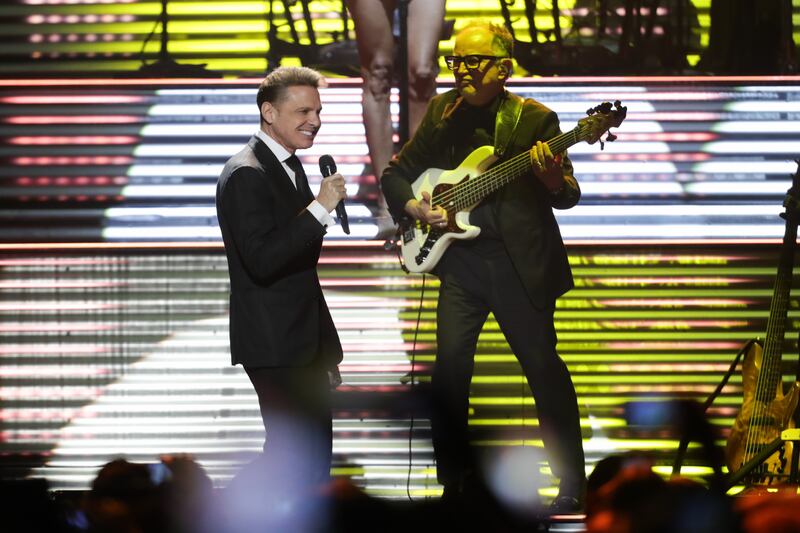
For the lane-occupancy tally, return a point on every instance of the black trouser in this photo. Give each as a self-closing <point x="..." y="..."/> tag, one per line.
<point x="473" y="285"/>
<point x="295" y="407"/>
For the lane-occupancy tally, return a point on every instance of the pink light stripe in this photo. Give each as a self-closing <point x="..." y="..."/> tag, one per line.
<point x="669" y="368"/>
<point x="376" y="368"/>
<point x="66" y="306"/>
<point x="672" y="156"/>
<point x="357" y="82"/>
<point x="166" y="245"/>
<point x="70" y="119"/>
<point x="61" y="261"/>
<point x="369" y="282"/>
<point x="673" y="345"/>
<point x="70" y="160"/>
<point x="385" y="347"/>
<point x="378" y="324"/>
<point x="39" y="371"/>
<point x="370" y="388"/>
<point x="80" y="139"/>
<point x="77" y="99"/>
<point x="12" y="327"/>
<point x="51" y="393"/>
<point x="689" y="116"/>
<point x="359" y="259"/>
<point x="671" y="324"/>
<point x="48" y="349"/>
<point x="670" y="137"/>
<point x="29" y="414"/>
<point x="645" y="96"/>
<point x="677" y="303"/>
<point x="399" y="303"/>
<point x="18" y="284"/>
<point x="716" y="281"/>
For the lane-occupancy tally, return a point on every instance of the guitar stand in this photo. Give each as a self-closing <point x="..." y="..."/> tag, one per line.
<point x="787" y="435"/>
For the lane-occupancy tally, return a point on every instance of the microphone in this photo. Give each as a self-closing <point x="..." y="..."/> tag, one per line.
<point x="328" y="167"/>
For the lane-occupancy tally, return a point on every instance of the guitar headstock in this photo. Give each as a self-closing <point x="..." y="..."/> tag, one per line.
<point x="600" y="119"/>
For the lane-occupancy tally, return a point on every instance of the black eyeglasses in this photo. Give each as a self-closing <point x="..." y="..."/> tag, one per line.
<point x="472" y="61"/>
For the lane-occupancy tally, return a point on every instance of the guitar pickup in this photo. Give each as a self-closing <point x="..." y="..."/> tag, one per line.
<point x="408" y="234"/>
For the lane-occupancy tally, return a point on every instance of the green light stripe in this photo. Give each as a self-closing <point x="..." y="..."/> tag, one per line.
<point x="534" y="422"/>
<point x="614" y="378"/>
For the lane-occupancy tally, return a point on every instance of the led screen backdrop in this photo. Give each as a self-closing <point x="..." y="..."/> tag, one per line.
<point x="113" y="285"/>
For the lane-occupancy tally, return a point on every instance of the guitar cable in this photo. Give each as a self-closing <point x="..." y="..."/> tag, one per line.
<point x="412" y="375"/>
<point x="389" y="244"/>
<point x="684" y="443"/>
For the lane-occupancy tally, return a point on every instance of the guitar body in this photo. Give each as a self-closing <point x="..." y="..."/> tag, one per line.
<point x="423" y="246"/>
<point x="774" y="416"/>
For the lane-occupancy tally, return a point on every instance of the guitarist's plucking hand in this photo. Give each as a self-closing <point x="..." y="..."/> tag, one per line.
<point x="421" y="210"/>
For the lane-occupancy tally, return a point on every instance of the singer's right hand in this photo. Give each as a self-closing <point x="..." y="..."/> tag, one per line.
<point x="331" y="191"/>
<point x="422" y="210"/>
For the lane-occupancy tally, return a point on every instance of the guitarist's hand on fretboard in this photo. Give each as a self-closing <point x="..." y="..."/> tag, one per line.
<point x="547" y="167"/>
<point x="423" y="211"/>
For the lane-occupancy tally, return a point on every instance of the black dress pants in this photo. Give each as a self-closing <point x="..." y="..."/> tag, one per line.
<point x="472" y="285"/>
<point x="296" y="409"/>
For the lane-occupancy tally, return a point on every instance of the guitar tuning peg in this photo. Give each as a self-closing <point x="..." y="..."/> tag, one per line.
<point x="611" y="137"/>
<point x="590" y="111"/>
<point x="602" y="144"/>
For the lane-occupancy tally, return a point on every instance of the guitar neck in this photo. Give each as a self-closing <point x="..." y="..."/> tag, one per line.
<point x="473" y="190"/>
<point x="771" y="372"/>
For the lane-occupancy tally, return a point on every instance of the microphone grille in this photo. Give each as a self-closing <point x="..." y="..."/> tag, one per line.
<point x="327" y="161"/>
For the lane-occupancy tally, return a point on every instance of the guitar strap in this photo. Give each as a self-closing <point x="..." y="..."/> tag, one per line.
<point x="506" y="122"/>
<point x="508" y="116"/>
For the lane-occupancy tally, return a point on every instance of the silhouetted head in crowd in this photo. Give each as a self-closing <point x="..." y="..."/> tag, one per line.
<point x="172" y="495"/>
<point x="124" y="498"/>
<point x="627" y="496"/>
<point x="770" y="513"/>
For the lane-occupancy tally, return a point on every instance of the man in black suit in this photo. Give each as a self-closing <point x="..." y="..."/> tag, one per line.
<point x="281" y="330"/>
<point x="515" y="268"/>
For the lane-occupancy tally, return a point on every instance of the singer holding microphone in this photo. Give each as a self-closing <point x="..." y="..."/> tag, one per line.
<point x="281" y="330"/>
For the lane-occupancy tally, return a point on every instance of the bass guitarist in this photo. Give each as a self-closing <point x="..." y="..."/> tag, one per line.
<point x="515" y="268"/>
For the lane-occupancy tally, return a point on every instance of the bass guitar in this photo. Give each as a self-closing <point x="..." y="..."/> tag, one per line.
<point x="461" y="189"/>
<point x="766" y="410"/>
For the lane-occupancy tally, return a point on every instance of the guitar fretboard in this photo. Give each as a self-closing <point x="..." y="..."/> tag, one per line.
<point x="475" y="189"/>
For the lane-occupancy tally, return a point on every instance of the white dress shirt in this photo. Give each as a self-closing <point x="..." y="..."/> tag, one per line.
<point x="315" y="208"/>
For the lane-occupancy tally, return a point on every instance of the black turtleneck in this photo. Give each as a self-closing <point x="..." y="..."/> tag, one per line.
<point x="473" y="127"/>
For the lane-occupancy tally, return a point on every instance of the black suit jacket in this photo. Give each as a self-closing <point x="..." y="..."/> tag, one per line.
<point x="278" y="315"/>
<point x="523" y="209"/>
